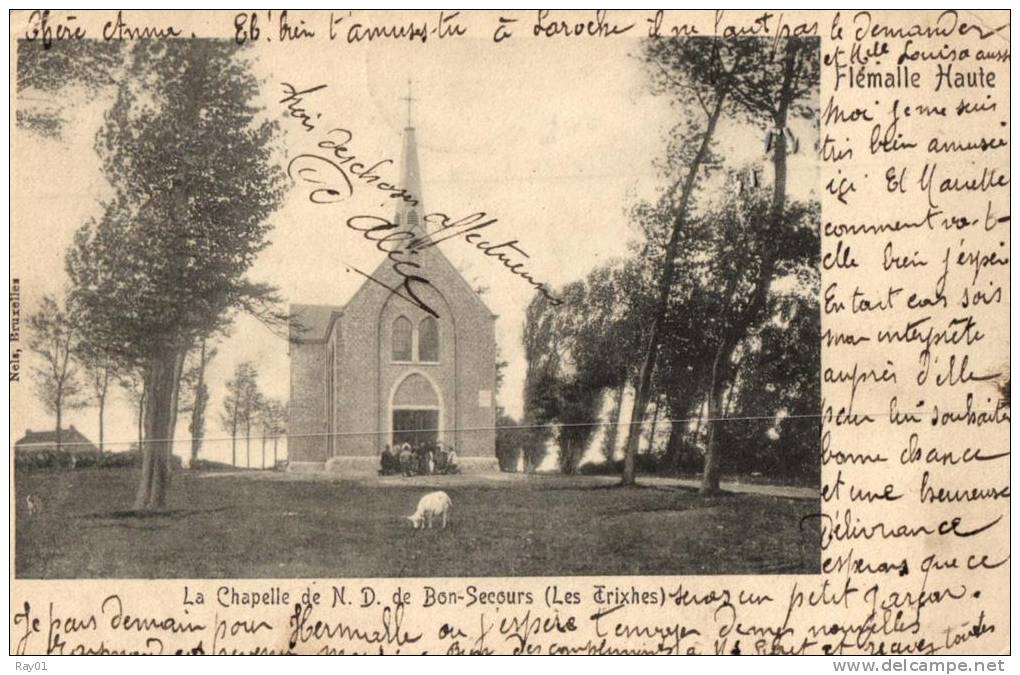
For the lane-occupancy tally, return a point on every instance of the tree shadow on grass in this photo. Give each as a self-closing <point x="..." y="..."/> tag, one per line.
<point x="150" y="515"/>
<point x="596" y="487"/>
<point x="685" y="508"/>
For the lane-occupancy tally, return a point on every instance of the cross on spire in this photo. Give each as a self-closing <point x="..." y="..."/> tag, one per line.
<point x="410" y="99"/>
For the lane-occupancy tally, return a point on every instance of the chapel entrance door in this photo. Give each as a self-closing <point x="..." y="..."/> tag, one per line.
<point x="415" y="426"/>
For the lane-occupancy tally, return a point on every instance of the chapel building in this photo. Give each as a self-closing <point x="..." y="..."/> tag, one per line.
<point x="380" y="370"/>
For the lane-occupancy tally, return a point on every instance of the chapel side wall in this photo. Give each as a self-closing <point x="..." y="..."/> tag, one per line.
<point x="334" y="341"/>
<point x="358" y="376"/>
<point x="476" y="373"/>
<point x="306" y="410"/>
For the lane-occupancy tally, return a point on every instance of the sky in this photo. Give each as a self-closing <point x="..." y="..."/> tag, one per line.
<point x="556" y="140"/>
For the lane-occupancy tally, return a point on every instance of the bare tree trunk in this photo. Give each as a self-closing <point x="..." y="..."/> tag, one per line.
<point x="263" y="448"/>
<point x="233" y="437"/>
<point x="712" y="406"/>
<point x="710" y="476"/>
<point x="102" y="408"/>
<point x="178" y="371"/>
<point x="196" y="427"/>
<point x="699" y="423"/>
<point x="162" y="377"/>
<point x="643" y="390"/>
<point x="678" y="407"/>
<point x="59" y="410"/>
<point x="674" y="444"/>
<point x="275" y="440"/>
<point x="571" y="459"/>
<point x="728" y="404"/>
<point x="609" y="448"/>
<point x="247" y="446"/>
<point x="102" y="388"/>
<point x="651" y="432"/>
<point x="141" y="419"/>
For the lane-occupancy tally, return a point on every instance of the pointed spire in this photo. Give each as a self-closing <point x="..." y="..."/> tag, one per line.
<point x="410" y="173"/>
<point x="410" y="100"/>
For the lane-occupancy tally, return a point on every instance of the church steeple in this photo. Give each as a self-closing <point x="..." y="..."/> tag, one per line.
<point x="410" y="172"/>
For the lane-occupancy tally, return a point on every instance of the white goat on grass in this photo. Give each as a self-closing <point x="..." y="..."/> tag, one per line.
<point x="432" y="506"/>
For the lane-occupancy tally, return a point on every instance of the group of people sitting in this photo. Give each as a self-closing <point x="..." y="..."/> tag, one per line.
<point x="420" y="459"/>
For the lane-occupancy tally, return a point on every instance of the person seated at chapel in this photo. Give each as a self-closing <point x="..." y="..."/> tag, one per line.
<point x="389" y="464"/>
<point x="407" y="460"/>
<point x="441" y="458"/>
<point x="451" y="460"/>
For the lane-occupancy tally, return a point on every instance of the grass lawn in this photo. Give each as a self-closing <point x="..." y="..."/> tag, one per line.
<point x="263" y="525"/>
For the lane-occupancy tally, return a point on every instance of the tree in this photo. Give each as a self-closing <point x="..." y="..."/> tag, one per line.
<point x="744" y="79"/>
<point x="582" y="348"/>
<point x="609" y="444"/>
<point x="776" y="392"/>
<point x="577" y="420"/>
<point x="134" y="388"/>
<point x="682" y="367"/>
<point x="229" y="417"/>
<point x="98" y="373"/>
<point x="699" y="72"/>
<point x="240" y="405"/>
<point x="194" y="397"/>
<point x="544" y="356"/>
<point x="250" y="411"/>
<point x="48" y="74"/>
<point x="781" y="84"/>
<point x="602" y="327"/>
<point x="262" y="418"/>
<point x="512" y="440"/>
<point x="684" y="348"/>
<point x="194" y="173"/>
<point x="264" y="424"/>
<point x="271" y="416"/>
<point x="570" y="351"/>
<point x="274" y="421"/>
<point x="727" y="279"/>
<point x="52" y="336"/>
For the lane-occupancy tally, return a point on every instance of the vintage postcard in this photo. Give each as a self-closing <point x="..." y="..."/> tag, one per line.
<point x="517" y="332"/>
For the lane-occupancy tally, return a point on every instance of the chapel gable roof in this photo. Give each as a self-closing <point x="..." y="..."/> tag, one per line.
<point x="311" y="323"/>
<point x="431" y="255"/>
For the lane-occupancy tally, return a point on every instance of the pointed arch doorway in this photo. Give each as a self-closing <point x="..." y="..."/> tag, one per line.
<point x="415" y="411"/>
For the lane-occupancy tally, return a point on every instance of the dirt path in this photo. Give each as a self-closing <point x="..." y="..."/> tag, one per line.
<point x="500" y="479"/>
<point x="785" y="491"/>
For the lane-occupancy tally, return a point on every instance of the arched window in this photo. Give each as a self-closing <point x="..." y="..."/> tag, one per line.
<point x="401" y="339"/>
<point x="428" y="339"/>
